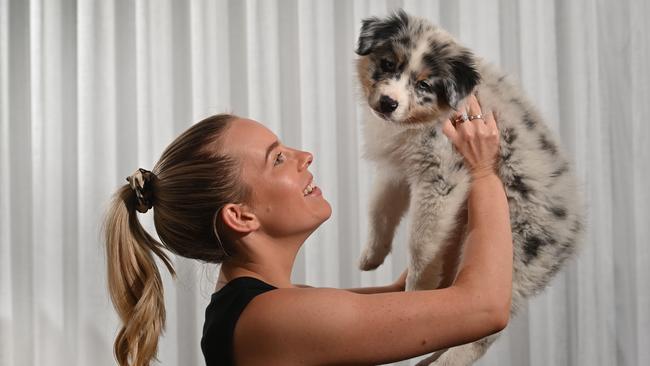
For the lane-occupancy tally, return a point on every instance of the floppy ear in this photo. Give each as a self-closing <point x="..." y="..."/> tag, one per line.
<point x="464" y="77"/>
<point x="375" y="31"/>
<point x="367" y="39"/>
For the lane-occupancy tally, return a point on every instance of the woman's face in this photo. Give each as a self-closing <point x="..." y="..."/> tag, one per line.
<point x="284" y="198"/>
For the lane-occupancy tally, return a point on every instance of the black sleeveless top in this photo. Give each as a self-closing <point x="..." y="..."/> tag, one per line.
<point x="226" y="305"/>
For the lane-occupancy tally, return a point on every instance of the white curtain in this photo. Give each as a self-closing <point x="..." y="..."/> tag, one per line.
<point x="92" y="90"/>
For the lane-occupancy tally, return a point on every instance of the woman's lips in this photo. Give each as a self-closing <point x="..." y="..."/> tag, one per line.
<point x="316" y="192"/>
<point x="312" y="190"/>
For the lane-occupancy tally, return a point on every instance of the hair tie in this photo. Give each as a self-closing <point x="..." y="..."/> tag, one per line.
<point x="139" y="182"/>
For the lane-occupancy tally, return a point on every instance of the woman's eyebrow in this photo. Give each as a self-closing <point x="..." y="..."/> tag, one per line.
<point x="270" y="148"/>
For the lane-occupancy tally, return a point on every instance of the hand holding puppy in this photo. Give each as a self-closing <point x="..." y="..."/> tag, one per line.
<point x="476" y="137"/>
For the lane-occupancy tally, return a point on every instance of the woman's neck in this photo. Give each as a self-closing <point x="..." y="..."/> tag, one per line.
<point x="268" y="260"/>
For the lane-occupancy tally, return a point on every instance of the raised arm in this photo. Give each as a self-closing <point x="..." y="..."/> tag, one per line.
<point x="328" y="326"/>
<point x="331" y="326"/>
<point x="487" y="259"/>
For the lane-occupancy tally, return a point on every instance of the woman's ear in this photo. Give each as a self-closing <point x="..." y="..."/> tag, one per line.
<point x="239" y="218"/>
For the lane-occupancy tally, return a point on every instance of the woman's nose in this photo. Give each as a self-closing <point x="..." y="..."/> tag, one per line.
<point x="305" y="160"/>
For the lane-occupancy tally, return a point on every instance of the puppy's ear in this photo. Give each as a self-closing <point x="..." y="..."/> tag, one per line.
<point x="367" y="39"/>
<point x="375" y="31"/>
<point x="464" y="77"/>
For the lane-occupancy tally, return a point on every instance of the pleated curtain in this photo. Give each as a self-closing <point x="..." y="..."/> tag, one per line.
<point x="92" y="90"/>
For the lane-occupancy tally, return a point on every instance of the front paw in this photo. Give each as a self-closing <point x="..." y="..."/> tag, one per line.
<point x="371" y="258"/>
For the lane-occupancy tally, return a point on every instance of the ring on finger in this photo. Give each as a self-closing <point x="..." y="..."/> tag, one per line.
<point x="475" y="116"/>
<point x="461" y="118"/>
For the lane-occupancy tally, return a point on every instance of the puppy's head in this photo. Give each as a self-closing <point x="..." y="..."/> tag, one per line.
<point x="412" y="72"/>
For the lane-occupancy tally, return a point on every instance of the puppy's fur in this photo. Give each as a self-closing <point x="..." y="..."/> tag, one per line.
<point x="413" y="76"/>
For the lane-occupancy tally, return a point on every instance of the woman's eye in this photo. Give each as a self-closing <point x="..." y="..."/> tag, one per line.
<point x="387" y="65"/>
<point x="424" y="86"/>
<point x="279" y="159"/>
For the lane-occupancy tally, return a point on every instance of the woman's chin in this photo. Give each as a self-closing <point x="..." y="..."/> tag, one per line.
<point x="327" y="209"/>
<point x="323" y="213"/>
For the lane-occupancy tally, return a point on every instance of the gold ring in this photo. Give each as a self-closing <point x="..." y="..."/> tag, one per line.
<point x="461" y="118"/>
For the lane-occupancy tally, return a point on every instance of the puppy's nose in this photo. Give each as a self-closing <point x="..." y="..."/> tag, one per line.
<point x="387" y="104"/>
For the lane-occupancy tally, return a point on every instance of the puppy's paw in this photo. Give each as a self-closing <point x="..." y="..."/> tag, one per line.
<point x="371" y="258"/>
<point x="411" y="283"/>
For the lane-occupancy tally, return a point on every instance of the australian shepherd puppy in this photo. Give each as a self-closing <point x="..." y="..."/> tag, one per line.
<point x="414" y="75"/>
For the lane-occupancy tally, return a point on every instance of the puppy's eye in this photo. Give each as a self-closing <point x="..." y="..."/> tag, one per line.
<point x="387" y="65"/>
<point x="424" y="86"/>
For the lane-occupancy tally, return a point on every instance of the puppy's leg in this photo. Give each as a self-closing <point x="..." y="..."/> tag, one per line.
<point x="389" y="201"/>
<point x="433" y="236"/>
<point x="453" y="249"/>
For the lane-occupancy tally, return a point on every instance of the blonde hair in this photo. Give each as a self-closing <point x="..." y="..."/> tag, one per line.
<point x="191" y="182"/>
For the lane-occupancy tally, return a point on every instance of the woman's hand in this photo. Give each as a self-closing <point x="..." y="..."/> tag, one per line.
<point x="400" y="283"/>
<point x="476" y="137"/>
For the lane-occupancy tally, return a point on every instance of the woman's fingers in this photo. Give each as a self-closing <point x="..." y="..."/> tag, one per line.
<point x="478" y="120"/>
<point x="476" y="116"/>
<point x="474" y="106"/>
<point x="450" y="131"/>
<point x="476" y="139"/>
<point x="469" y="127"/>
<point x="491" y="121"/>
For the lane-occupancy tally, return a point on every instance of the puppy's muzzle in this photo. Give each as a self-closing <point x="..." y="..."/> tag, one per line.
<point x="387" y="104"/>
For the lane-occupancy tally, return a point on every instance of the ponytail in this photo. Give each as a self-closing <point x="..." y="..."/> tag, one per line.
<point x="134" y="281"/>
<point x="193" y="180"/>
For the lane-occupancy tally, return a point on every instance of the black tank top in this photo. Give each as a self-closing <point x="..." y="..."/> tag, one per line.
<point x="226" y="305"/>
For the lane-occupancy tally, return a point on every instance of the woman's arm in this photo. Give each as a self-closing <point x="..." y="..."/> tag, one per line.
<point x="396" y="286"/>
<point x="489" y="229"/>
<point x="375" y="290"/>
<point x="330" y="326"/>
<point x="487" y="259"/>
<point x="366" y="290"/>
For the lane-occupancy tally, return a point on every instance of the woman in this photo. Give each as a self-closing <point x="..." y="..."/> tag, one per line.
<point x="227" y="191"/>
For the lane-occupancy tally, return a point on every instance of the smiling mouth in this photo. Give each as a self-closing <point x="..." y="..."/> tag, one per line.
<point x="309" y="189"/>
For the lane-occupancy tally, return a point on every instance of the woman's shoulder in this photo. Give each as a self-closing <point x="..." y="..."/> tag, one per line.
<point x="284" y="313"/>
<point x="276" y="295"/>
<point x="276" y="302"/>
<point x="244" y="282"/>
<point x="223" y="313"/>
<point x="237" y="293"/>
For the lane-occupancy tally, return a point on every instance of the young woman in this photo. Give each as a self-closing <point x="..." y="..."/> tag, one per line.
<point x="228" y="191"/>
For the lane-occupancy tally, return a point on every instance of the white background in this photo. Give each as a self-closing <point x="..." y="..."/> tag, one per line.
<point x="92" y="90"/>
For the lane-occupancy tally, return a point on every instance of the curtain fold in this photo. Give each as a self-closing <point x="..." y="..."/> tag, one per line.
<point x="92" y="90"/>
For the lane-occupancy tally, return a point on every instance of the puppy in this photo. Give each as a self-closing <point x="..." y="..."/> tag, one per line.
<point x="413" y="76"/>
